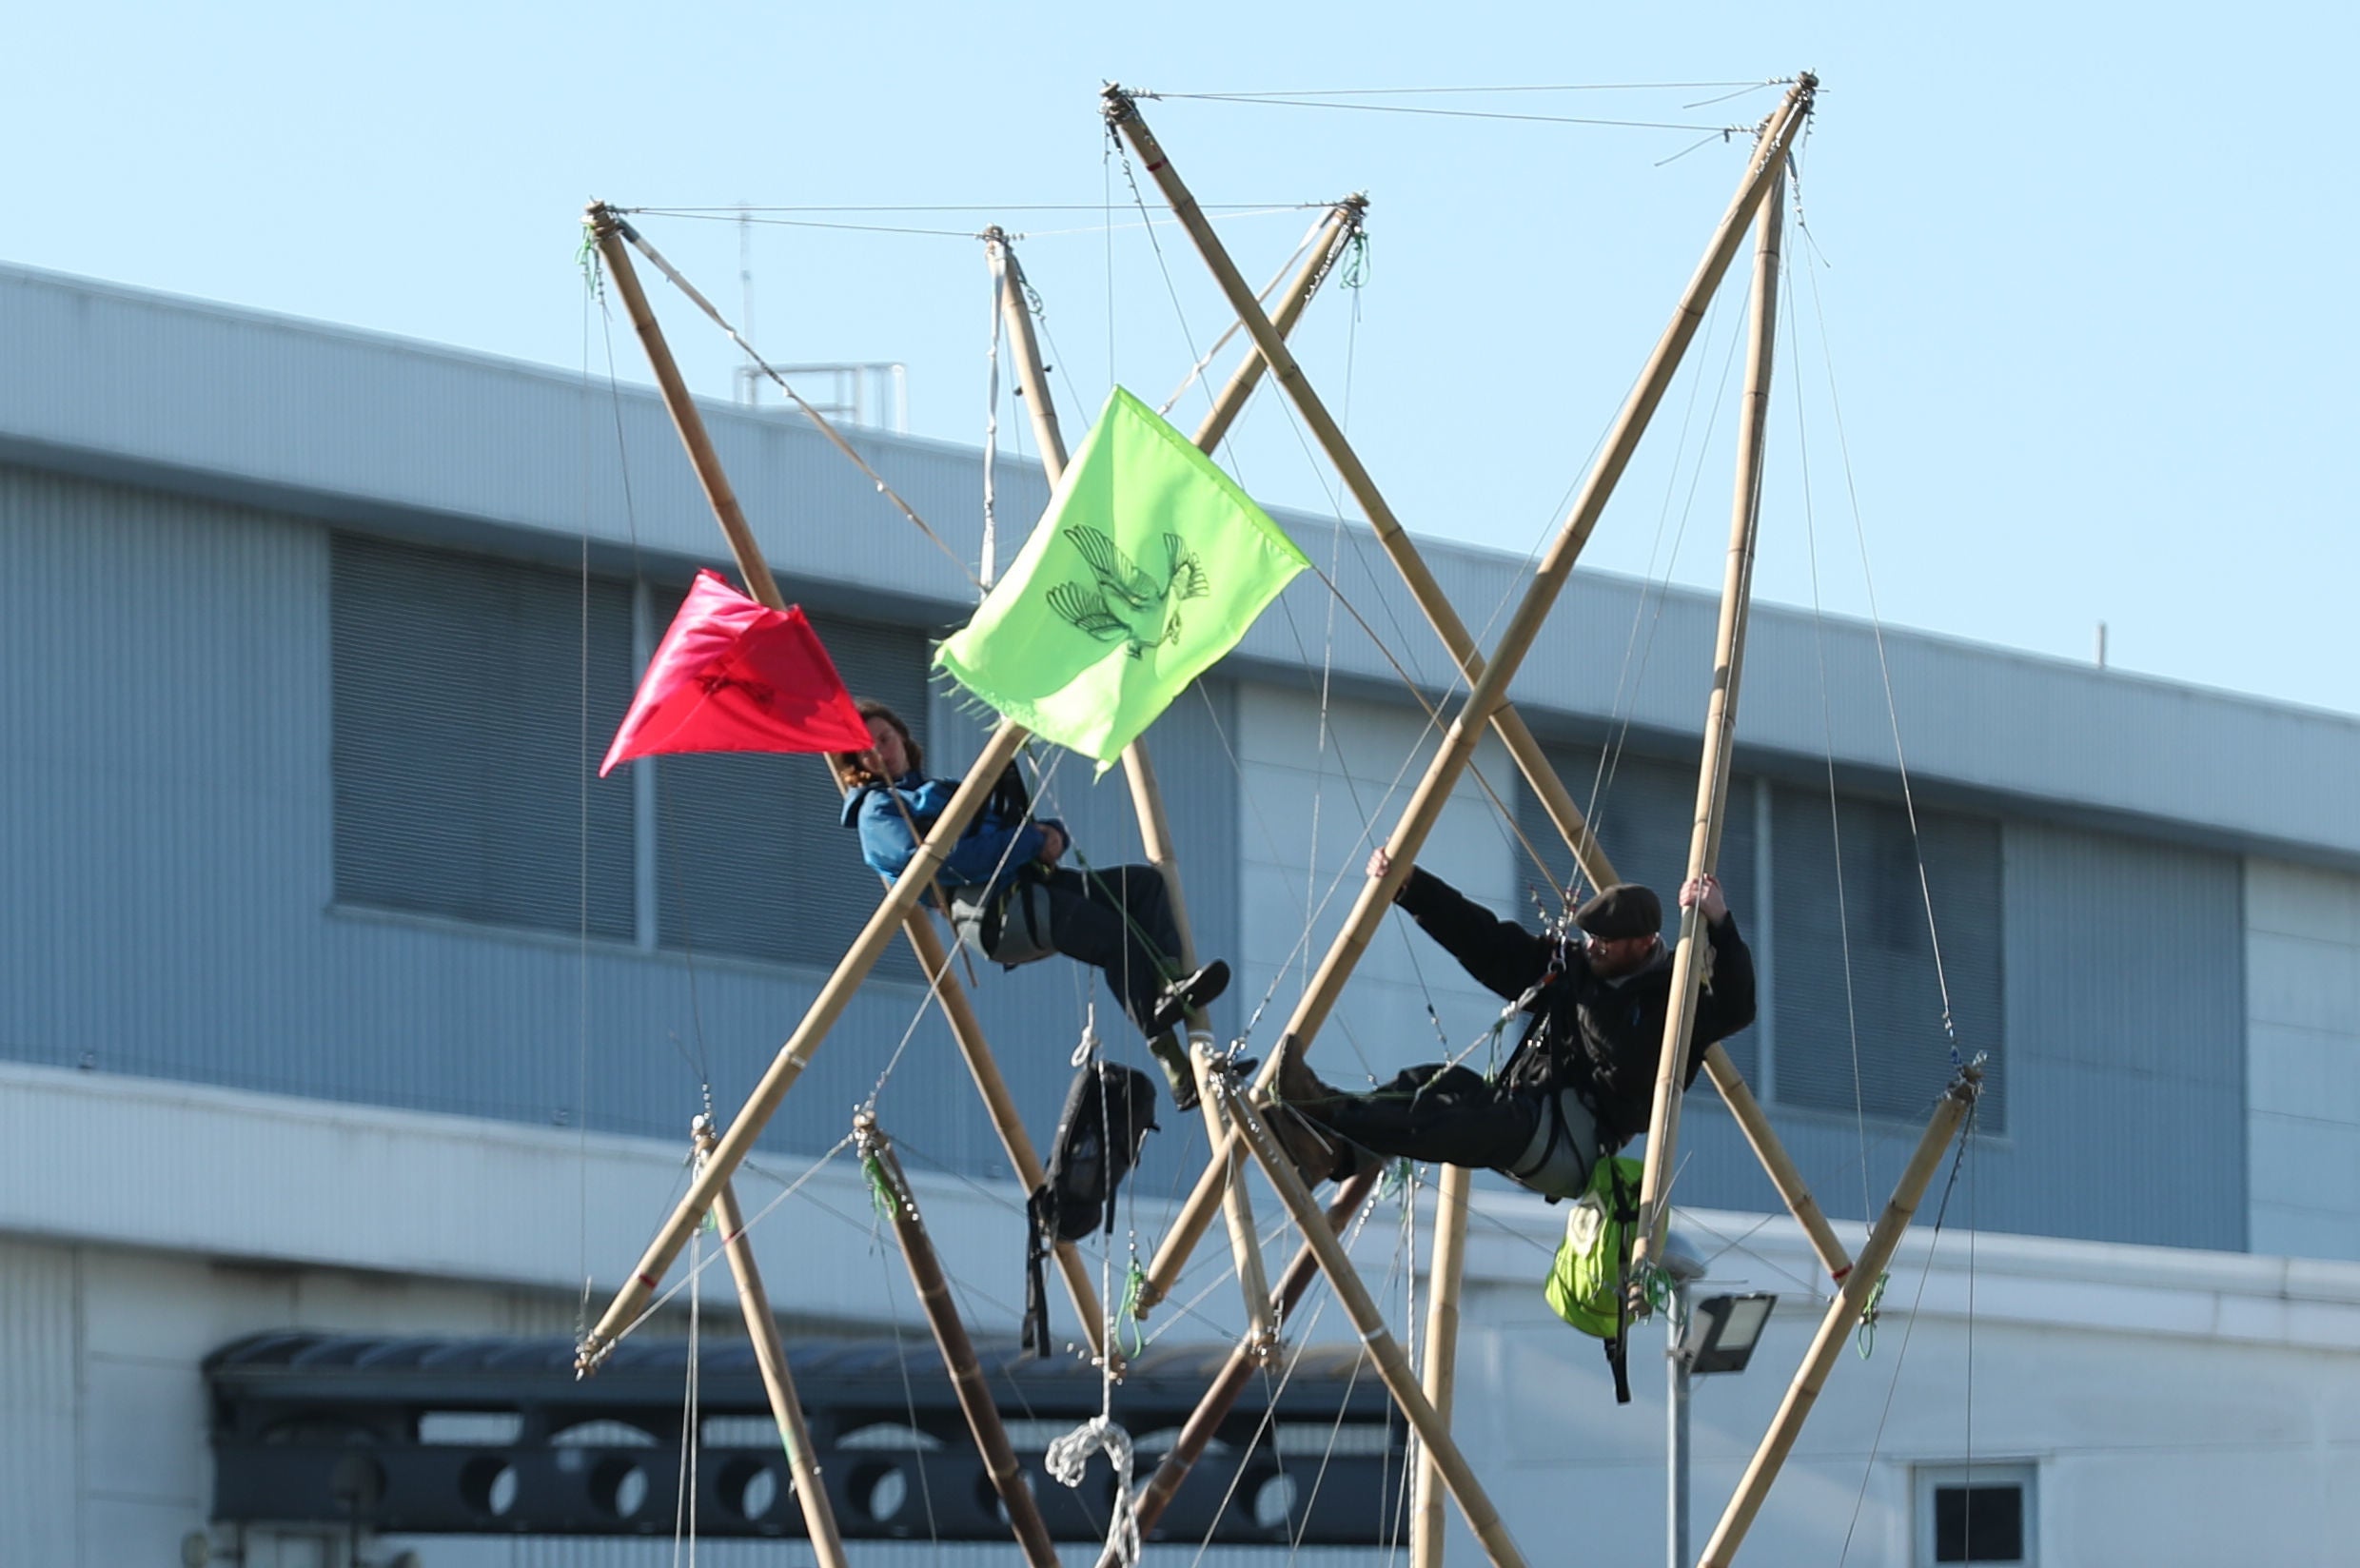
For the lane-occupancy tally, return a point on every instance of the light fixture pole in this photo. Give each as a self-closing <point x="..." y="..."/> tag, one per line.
<point x="1718" y="1336"/>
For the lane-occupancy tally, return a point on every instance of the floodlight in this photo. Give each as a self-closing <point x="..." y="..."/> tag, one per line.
<point x="1722" y="1331"/>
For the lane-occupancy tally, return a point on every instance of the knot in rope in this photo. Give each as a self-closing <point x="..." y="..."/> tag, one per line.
<point x="1069" y="1457"/>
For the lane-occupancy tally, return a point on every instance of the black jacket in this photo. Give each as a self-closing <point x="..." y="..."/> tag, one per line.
<point x="1598" y="1038"/>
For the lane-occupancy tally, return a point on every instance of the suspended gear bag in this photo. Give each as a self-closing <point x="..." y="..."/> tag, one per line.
<point x="1109" y="1113"/>
<point x="1586" y="1284"/>
<point x="1009" y="927"/>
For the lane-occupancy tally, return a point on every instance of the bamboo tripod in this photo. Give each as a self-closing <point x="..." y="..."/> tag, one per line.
<point x="1485" y="707"/>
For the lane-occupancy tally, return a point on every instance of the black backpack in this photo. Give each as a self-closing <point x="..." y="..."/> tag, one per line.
<point x="1109" y="1113"/>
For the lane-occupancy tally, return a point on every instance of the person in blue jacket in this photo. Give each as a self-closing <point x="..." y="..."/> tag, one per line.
<point x="1012" y="895"/>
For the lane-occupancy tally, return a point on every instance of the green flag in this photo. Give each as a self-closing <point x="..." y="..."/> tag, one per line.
<point x="1148" y="566"/>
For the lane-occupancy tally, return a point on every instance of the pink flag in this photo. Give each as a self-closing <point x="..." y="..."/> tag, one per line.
<point x="736" y="676"/>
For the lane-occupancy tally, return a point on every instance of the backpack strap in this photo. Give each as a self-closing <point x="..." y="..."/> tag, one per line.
<point x="1623" y="1200"/>
<point x="1036" y="1291"/>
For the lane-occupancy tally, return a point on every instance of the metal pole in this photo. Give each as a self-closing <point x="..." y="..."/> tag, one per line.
<point x="1676" y="1365"/>
<point x="1720" y="717"/>
<point x="770" y="1356"/>
<point x="959" y="1351"/>
<point x="796" y="1054"/>
<point x="1842" y="1315"/>
<point x="1490" y="687"/>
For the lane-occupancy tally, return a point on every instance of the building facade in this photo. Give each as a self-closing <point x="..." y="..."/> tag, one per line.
<point x="340" y="994"/>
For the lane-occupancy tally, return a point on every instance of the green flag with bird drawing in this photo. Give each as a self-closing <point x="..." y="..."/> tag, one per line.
<point x="1148" y="566"/>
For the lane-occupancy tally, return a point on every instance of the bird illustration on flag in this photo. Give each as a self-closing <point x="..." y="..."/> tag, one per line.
<point x="1129" y="605"/>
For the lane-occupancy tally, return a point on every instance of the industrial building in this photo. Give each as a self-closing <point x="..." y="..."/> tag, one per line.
<point x="340" y="999"/>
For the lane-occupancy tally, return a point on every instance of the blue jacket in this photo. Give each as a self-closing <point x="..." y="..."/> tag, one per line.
<point x="989" y="853"/>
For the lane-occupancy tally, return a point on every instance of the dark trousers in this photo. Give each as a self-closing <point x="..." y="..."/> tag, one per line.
<point x="1119" y="919"/>
<point x="1433" y="1114"/>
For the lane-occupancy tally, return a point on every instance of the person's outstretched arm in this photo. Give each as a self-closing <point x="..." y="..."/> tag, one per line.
<point x="1501" y="956"/>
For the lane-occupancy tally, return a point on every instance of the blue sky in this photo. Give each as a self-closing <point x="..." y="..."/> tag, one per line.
<point x="2078" y="278"/>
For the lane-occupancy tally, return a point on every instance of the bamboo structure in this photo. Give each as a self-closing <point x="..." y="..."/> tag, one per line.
<point x="1957" y="1101"/>
<point x="925" y="937"/>
<point x="1268" y="337"/>
<point x="1236" y="1373"/>
<point x="796" y="1054"/>
<point x="770" y="1356"/>
<point x="959" y="1351"/>
<point x="1147" y="799"/>
<point x="1721" y="716"/>
<point x="1490" y="688"/>
<point x="1475" y="1504"/>
<point x="1441" y="1353"/>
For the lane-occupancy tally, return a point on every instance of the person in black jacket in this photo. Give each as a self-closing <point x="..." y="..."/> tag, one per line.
<point x="1580" y="1082"/>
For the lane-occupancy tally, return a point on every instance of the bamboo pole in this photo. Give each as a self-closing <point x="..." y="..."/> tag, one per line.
<point x="796" y="1054"/>
<point x="1841" y="1314"/>
<point x="1490" y="688"/>
<point x="1268" y="334"/>
<point x="925" y="937"/>
<point x="1392" y="1365"/>
<point x="1754" y="1122"/>
<point x="1441" y="1354"/>
<point x="1031" y="380"/>
<point x="1720" y="718"/>
<point x="959" y="1351"/>
<point x="1147" y="799"/>
<point x="606" y="228"/>
<point x="771" y="1357"/>
<point x="1235" y="1373"/>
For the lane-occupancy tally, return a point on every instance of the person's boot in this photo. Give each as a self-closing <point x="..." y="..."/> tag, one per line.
<point x="1171" y="1054"/>
<point x="1190" y="991"/>
<point x="1315" y="1152"/>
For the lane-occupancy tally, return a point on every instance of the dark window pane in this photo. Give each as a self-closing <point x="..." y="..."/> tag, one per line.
<point x="752" y="859"/>
<point x="473" y="701"/>
<point x="1855" y="956"/>
<point x="1978" y="1524"/>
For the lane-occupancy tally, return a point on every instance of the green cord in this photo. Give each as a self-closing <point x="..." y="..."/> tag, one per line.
<point x="592" y="264"/>
<point x="1866" y="1343"/>
<point x="1135" y="1337"/>
<point x="1355" y="274"/>
<point x="1397" y="1176"/>
<point x="880" y="1191"/>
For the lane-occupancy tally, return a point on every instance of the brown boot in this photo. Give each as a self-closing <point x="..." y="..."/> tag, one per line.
<point x="1296" y="1084"/>
<point x="1313" y="1151"/>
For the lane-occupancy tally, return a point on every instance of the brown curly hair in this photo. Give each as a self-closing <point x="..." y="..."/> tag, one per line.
<point x="855" y="766"/>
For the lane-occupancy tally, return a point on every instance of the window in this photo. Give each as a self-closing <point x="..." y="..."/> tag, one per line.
<point x="751" y="857"/>
<point x="463" y="759"/>
<point x="1983" y="1514"/>
<point x="1854" y="957"/>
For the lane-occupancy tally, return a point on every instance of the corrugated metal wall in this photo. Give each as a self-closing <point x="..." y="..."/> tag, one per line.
<point x="168" y="830"/>
<point x="2124" y="1063"/>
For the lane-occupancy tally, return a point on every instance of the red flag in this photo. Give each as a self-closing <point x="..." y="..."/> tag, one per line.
<point x="736" y="676"/>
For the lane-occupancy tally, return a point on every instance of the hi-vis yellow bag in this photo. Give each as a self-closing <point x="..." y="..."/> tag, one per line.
<point x="1585" y="1282"/>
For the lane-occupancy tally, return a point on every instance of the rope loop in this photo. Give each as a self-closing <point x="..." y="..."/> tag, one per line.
<point x="1068" y="1458"/>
